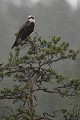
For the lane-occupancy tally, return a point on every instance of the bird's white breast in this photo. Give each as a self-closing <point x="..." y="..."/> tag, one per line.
<point x="32" y="20"/>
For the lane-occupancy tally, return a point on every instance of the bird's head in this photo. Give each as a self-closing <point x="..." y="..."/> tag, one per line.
<point x="31" y="18"/>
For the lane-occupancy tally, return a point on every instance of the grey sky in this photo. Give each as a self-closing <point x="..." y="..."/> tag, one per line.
<point x="74" y="4"/>
<point x="29" y="2"/>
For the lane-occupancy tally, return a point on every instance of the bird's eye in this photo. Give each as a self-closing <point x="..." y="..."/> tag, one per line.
<point x="31" y="17"/>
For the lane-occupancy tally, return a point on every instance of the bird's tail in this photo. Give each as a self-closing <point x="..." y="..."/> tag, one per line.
<point x="15" y="44"/>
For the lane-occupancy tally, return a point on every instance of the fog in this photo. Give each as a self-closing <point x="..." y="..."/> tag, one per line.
<point x="74" y="4"/>
<point x="53" y="17"/>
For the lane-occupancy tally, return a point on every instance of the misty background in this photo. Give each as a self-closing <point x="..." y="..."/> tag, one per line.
<point x="53" y="17"/>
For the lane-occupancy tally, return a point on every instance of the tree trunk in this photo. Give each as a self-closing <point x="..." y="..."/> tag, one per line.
<point x="31" y="106"/>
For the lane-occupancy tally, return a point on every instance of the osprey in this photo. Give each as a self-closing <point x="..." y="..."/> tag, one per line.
<point x="25" y="30"/>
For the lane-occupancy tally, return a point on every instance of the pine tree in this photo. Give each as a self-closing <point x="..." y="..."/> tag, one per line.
<point x="31" y="69"/>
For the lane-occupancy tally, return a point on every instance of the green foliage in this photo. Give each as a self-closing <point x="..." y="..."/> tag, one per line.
<point x="32" y="71"/>
<point x="71" y="115"/>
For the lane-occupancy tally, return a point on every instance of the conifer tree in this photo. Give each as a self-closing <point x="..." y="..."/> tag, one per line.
<point x="30" y="67"/>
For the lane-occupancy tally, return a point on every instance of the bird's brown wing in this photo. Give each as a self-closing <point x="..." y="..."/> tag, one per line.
<point x="23" y="26"/>
<point x="20" y="32"/>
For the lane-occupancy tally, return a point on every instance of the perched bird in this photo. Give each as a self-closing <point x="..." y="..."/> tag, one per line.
<point x="26" y="29"/>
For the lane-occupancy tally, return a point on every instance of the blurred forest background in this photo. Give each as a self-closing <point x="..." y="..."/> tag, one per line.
<point x="53" y="17"/>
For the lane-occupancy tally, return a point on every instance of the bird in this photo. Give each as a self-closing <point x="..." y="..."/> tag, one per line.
<point x="25" y="30"/>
